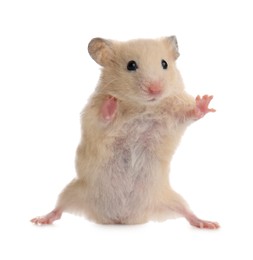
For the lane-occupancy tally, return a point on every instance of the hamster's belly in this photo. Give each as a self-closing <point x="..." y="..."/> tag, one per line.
<point x="126" y="182"/>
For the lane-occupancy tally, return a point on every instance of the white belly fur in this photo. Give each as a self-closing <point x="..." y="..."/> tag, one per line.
<point x="126" y="179"/>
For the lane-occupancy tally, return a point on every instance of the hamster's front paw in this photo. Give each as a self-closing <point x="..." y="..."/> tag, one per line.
<point x="109" y="108"/>
<point x="202" y="104"/>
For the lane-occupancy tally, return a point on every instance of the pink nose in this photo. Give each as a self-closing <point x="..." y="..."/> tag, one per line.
<point x="154" y="89"/>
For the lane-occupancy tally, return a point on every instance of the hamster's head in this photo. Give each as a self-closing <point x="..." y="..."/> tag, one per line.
<point x="141" y="70"/>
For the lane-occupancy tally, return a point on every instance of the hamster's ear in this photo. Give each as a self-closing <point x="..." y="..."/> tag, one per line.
<point x="172" y="41"/>
<point x="101" y="51"/>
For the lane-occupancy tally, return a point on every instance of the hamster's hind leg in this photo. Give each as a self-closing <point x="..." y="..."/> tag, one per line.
<point x="48" y="218"/>
<point x="199" y="223"/>
<point x="178" y="205"/>
<point x="71" y="199"/>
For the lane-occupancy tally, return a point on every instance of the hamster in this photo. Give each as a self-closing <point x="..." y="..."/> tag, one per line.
<point x="131" y="128"/>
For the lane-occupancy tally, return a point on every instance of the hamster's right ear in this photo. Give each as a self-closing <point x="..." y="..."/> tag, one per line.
<point x="101" y="51"/>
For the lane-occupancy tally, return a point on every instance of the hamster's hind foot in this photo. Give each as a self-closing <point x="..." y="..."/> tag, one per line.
<point x="47" y="219"/>
<point x="199" y="223"/>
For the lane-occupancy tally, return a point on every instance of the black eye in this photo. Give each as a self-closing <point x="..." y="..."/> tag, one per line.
<point x="132" y="65"/>
<point x="164" y="64"/>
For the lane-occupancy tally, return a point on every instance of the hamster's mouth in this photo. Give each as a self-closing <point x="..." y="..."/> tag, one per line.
<point x="153" y="98"/>
<point x="152" y="92"/>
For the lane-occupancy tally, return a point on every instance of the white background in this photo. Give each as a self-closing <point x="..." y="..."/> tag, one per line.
<point x="46" y="77"/>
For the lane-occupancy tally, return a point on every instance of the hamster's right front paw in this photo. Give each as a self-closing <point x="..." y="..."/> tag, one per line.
<point x="108" y="109"/>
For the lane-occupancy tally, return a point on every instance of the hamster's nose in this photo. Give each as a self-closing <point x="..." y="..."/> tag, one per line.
<point x="154" y="89"/>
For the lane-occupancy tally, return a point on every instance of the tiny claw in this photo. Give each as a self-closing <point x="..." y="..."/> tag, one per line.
<point x="212" y="110"/>
<point x="197" y="98"/>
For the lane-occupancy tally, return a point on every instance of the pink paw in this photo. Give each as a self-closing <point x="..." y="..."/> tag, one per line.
<point x="47" y="219"/>
<point x="204" y="224"/>
<point x="202" y="104"/>
<point x="108" y="109"/>
<point x="199" y="223"/>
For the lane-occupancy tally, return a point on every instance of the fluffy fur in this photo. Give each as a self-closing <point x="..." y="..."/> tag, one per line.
<point x="131" y="128"/>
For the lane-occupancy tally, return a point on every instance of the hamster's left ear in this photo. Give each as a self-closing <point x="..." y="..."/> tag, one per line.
<point x="101" y="50"/>
<point x="172" y="41"/>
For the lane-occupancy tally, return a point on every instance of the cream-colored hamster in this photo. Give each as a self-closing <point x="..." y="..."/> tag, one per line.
<point x="131" y="128"/>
